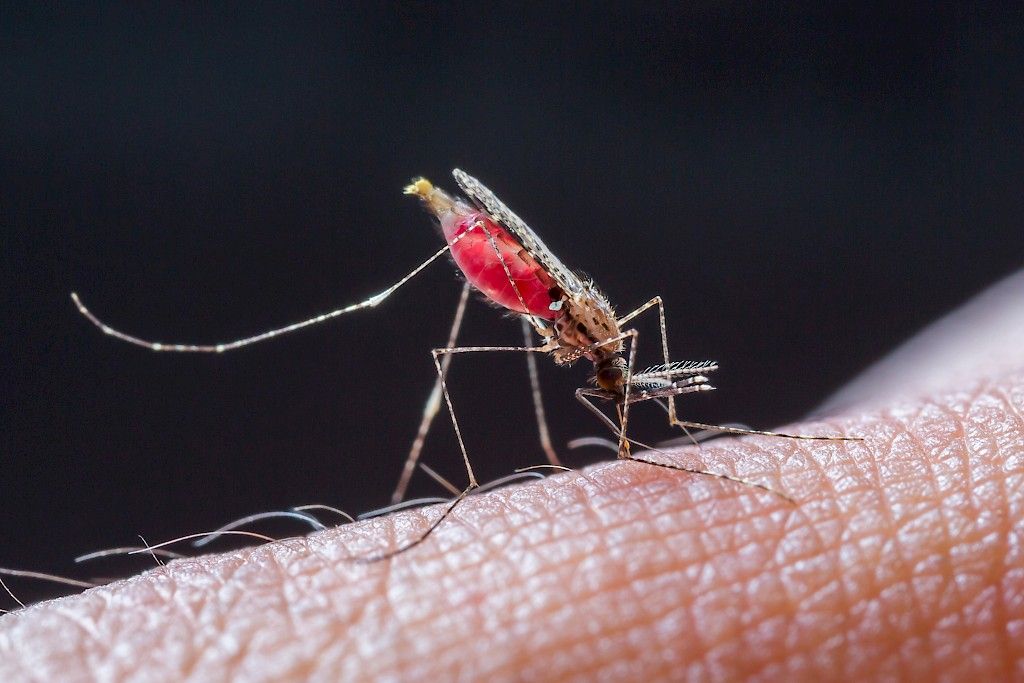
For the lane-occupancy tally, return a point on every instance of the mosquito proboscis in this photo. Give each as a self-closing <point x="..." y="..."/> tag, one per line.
<point x="502" y="257"/>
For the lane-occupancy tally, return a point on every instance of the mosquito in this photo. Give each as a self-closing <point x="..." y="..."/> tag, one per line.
<point x="504" y="259"/>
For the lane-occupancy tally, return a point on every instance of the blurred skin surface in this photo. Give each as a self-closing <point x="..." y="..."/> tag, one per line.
<point x="903" y="560"/>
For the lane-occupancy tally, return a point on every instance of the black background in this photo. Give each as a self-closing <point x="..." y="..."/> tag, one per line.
<point x="805" y="187"/>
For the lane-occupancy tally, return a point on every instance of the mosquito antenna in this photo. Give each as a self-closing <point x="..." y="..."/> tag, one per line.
<point x="259" y="516"/>
<point x="328" y="508"/>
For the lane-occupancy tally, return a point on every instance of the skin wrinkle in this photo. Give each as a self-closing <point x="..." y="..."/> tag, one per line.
<point x="976" y="514"/>
<point x="967" y="580"/>
<point x="851" y="547"/>
<point x="938" y="509"/>
<point x="941" y="508"/>
<point x="730" y="525"/>
<point x="1001" y="608"/>
<point x="633" y="581"/>
<point x="885" y="504"/>
<point x="631" y="588"/>
<point x="1010" y="615"/>
<point x="829" y="553"/>
<point x="975" y="510"/>
<point x="446" y="571"/>
<point x="806" y="519"/>
<point x="228" y="579"/>
<point x="596" y="592"/>
<point x="834" y="553"/>
<point x="285" y="613"/>
<point x="184" y="611"/>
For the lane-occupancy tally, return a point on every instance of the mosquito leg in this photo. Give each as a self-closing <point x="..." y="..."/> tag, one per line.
<point x="674" y="420"/>
<point x="436" y="476"/>
<point x="737" y="430"/>
<point x="531" y="362"/>
<point x="409" y="546"/>
<point x="656" y="301"/>
<point x="582" y="395"/>
<point x="437" y="354"/>
<point x="538" y="403"/>
<point x="433" y="405"/>
<point x="263" y="336"/>
<point x="623" y="409"/>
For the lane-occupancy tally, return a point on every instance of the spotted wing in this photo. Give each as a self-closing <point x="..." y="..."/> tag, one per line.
<point x="479" y="193"/>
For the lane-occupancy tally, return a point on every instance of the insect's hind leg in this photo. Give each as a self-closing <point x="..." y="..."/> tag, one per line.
<point x="370" y="302"/>
<point x="433" y="404"/>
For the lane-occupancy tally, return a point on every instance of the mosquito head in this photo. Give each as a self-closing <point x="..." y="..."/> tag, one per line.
<point x="610" y="373"/>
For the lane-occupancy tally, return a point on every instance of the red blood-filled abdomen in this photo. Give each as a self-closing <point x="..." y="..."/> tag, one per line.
<point x="475" y="255"/>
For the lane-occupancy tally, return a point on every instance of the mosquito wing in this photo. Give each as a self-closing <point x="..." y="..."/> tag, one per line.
<point x="487" y="200"/>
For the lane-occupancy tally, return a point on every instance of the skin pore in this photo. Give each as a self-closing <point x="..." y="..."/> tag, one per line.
<point x="904" y="559"/>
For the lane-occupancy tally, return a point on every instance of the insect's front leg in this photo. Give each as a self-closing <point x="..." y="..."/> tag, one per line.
<point x="623" y="408"/>
<point x="622" y="402"/>
<point x="656" y="301"/>
<point x="686" y="425"/>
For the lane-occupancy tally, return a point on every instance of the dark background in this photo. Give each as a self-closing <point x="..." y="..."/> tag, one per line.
<point x="805" y="187"/>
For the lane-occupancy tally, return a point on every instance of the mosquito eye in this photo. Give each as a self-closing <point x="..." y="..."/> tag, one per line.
<point x="609" y="378"/>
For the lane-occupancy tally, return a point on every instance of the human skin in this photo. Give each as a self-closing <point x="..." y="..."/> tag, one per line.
<point x="903" y="558"/>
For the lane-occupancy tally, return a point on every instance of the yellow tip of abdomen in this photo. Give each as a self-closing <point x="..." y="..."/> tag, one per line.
<point x="420" y="186"/>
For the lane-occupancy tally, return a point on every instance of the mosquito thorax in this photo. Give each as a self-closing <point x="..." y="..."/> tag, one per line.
<point x="585" y="320"/>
